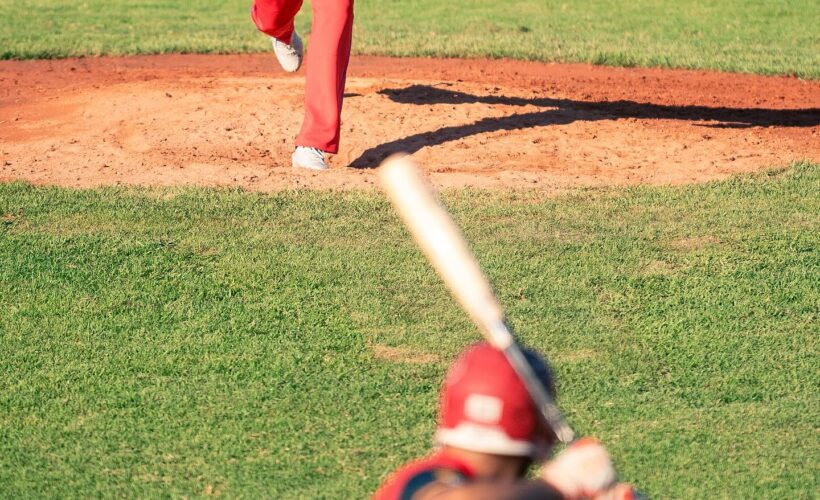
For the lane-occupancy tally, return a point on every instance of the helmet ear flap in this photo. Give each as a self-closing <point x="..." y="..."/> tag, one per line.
<point x="542" y="448"/>
<point x="545" y="374"/>
<point x="543" y="370"/>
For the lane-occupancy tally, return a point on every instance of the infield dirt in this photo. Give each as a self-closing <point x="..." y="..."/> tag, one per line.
<point x="230" y="120"/>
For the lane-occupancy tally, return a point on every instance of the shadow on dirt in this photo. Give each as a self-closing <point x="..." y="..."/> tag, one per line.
<point x="565" y="111"/>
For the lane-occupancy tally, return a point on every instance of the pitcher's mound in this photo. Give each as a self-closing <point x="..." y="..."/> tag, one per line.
<point x="231" y="120"/>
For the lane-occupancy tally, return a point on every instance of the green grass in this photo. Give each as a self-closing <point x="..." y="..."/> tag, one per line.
<point x="190" y="341"/>
<point x="769" y="37"/>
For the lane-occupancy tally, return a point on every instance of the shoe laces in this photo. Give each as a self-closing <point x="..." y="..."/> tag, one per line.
<point x="287" y="48"/>
<point x="315" y="152"/>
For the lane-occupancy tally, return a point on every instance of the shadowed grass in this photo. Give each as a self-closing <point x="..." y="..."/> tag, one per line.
<point x="735" y="35"/>
<point x="192" y="342"/>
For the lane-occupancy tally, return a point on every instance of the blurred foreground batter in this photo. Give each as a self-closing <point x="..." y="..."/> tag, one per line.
<point x="489" y="434"/>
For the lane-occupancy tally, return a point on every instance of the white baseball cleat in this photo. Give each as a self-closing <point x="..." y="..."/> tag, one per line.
<point x="311" y="158"/>
<point x="289" y="56"/>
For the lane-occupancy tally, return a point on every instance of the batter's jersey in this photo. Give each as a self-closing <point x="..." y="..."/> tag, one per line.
<point x="410" y="479"/>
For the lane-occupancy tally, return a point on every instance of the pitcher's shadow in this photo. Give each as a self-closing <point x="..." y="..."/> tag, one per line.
<point x="563" y="112"/>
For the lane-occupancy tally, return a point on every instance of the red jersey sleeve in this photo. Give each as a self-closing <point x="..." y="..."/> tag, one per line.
<point x="412" y="478"/>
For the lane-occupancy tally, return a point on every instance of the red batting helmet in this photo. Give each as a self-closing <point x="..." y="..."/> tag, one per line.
<point x="486" y="408"/>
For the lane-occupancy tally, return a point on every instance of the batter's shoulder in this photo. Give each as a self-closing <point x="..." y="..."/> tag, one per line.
<point x="413" y="480"/>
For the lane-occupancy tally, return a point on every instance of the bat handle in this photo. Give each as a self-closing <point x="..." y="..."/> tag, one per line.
<point x="548" y="410"/>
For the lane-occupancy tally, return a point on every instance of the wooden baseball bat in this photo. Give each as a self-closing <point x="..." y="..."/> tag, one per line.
<point x="446" y="249"/>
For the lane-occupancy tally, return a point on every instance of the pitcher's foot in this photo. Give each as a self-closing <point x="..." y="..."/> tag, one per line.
<point x="311" y="158"/>
<point x="289" y="56"/>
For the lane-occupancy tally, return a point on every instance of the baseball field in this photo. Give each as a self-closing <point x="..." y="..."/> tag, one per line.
<point x="183" y="314"/>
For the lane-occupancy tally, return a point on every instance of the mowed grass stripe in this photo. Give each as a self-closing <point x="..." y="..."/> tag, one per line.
<point x="735" y="35"/>
<point x="194" y="341"/>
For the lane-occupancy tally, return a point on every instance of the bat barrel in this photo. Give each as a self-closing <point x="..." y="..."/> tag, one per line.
<point x="442" y="242"/>
<point x="446" y="249"/>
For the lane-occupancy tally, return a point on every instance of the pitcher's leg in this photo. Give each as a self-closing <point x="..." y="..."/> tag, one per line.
<point x="275" y="17"/>
<point x="328" y="57"/>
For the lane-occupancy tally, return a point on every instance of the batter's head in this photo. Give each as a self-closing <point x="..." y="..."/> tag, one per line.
<point x="486" y="408"/>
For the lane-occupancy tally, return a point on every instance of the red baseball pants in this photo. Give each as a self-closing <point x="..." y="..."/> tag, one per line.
<point x="330" y="41"/>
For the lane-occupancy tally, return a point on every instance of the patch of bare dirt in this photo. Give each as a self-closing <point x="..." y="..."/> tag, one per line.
<point x="230" y="121"/>
<point x="576" y="356"/>
<point x="694" y="243"/>
<point x="403" y="355"/>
